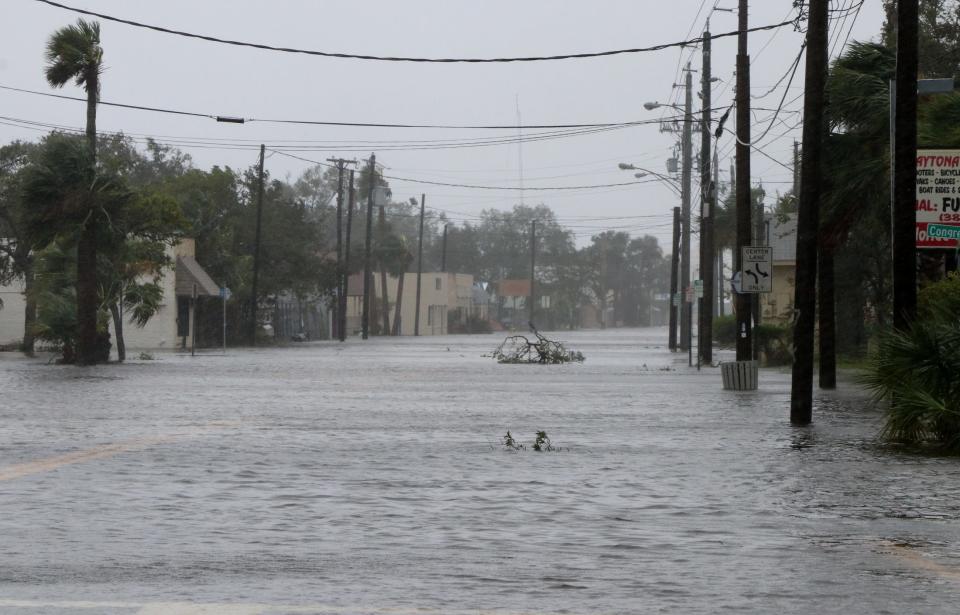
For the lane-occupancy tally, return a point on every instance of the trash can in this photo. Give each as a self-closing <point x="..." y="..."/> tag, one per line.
<point x="739" y="375"/>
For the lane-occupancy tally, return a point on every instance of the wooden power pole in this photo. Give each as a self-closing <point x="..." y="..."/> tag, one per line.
<point x="367" y="249"/>
<point x="905" y="167"/>
<point x="256" y="254"/>
<point x="743" y="196"/>
<point x="805" y="296"/>
<point x="416" y="314"/>
<point x="707" y="190"/>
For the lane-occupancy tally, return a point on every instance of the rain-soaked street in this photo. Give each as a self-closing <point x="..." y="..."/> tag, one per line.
<point x="369" y="478"/>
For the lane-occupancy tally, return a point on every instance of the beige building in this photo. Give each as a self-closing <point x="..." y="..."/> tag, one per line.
<point x="777" y="306"/>
<point x="440" y="294"/>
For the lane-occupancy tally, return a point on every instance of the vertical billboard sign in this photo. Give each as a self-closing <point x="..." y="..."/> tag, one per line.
<point x="938" y="198"/>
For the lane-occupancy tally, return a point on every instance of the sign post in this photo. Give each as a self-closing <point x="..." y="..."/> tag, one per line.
<point x="938" y="199"/>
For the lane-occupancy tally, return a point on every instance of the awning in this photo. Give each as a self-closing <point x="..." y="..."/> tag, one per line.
<point x="189" y="272"/>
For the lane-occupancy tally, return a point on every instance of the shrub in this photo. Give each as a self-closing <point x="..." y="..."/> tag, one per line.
<point x="725" y="329"/>
<point x="915" y="372"/>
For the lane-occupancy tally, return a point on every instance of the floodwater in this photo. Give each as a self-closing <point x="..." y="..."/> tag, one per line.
<point x="369" y="478"/>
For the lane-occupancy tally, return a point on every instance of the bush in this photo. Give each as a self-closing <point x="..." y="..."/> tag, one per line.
<point x="725" y="329"/>
<point x="915" y="372"/>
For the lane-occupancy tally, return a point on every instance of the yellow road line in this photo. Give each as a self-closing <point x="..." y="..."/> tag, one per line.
<point x="48" y="464"/>
<point x="917" y="560"/>
<point x="28" y="468"/>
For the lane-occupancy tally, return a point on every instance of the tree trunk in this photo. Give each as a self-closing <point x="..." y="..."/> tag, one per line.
<point x="118" y="332"/>
<point x="396" y="311"/>
<point x="87" y="303"/>
<point x="30" y="311"/>
<point x="825" y="298"/>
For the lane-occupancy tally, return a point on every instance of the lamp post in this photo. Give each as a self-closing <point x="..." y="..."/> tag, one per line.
<point x="674" y="248"/>
<point x="685" y="189"/>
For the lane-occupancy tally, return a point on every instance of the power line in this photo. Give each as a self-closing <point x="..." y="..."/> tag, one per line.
<point x="353" y="56"/>
<point x="475" y="186"/>
<point x="332" y="123"/>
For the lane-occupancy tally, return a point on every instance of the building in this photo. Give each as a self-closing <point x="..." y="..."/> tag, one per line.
<point x="442" y="296"/>
<point x="170" y="328"/>
<point x="776" y="307"/>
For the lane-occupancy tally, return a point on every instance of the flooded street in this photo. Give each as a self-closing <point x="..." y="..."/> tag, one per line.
<point x="370" y="478"/>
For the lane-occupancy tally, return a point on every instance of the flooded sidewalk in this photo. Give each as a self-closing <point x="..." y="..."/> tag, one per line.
<point x="370" y="477"/>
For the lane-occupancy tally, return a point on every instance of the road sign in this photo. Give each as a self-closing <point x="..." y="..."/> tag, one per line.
<point x="756" y="269"/>
<point x="938" y="198"/>
<point x="691" y="293"/>
<point x="225" y="293"/>
<point x="698" y="288"/>
<point x="676" y="299"/>
<point x="661" y="297"/>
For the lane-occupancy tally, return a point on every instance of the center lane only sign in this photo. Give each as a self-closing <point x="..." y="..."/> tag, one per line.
<point x="756" y="270"/>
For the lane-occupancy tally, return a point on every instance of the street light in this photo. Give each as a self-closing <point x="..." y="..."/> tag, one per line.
<point x="669" y="181"/>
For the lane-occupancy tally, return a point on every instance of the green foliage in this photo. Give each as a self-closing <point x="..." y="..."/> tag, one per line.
<point x="74" y="52"/>
<point x="725" y="329"/>
<point x="55" y="293"/>
<point x="940" y="300"/>
<point x="510" y="443"/>
<point x="774" y="343"/>
<point x="915" y="372"/>
<point x="542" y="443"/>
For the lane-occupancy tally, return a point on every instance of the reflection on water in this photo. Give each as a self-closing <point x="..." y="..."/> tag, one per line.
<point x="372" y="474"/>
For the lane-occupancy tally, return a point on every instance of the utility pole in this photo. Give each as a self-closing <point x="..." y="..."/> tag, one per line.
<point x="340" y="278"/>
<point x="805" y="296"/>
<point x="674" y="274"/>
<point x="346" y="261"/>
<point x="256" y="254"/>
<point x="416" y="314"/>
<point x="443" y="255"/>
<point x="367" y="277"/>
<point x="686" y="309"/>
<point x="905" y="167"/>
<point x="708" y="192"/>
<point x="533" y="268"/>
<point x="744" y="333"/>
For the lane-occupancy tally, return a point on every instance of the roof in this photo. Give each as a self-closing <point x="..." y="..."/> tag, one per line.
<point x="189" y="272"/>
<point x="783" y="237"/>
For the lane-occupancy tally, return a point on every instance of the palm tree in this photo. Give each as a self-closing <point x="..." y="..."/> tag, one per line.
<point x="74" y="53"/>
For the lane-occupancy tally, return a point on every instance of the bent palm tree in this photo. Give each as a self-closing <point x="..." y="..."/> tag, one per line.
<point x="74" y="53"/>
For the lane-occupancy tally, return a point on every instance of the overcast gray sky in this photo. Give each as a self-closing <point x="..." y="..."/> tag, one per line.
<point x="155" y="69"/>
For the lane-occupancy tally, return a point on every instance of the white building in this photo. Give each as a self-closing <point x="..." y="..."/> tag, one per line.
<point x="170" y="328"/>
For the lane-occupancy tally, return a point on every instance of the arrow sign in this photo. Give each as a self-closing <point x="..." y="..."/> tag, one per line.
<point x="756" y="269"/>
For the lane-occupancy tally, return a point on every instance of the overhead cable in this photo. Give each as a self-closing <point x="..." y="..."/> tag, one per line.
<point x="357" y="56"/>
<point x="331" y="123"/>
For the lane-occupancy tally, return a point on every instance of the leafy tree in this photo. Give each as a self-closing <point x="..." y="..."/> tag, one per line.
<point x="16" y="251"/>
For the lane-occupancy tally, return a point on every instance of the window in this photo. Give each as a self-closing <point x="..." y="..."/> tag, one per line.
<point x="439" y="283"/>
